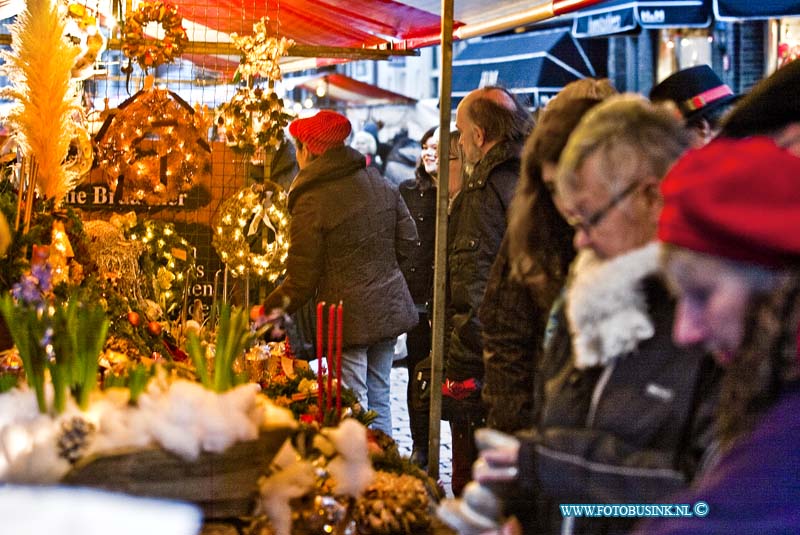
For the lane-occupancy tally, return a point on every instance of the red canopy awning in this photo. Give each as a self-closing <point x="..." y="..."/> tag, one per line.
<point x="350" y="23"/>
<point x="344" y="89"/>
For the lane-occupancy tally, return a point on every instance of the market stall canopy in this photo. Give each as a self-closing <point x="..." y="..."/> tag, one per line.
<point x="346" y="90"/>
<point x="617" y="16"/>
<point x="534" y="65"/>
<point x="369" y="29"/>
<point x="338" y="23"/>
<point x="750" y="9"/>
<point x="392" y="26"/>
<point x="396" y="24"/>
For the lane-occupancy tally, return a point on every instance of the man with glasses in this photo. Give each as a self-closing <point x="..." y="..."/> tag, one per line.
<point x="623" y="416"/>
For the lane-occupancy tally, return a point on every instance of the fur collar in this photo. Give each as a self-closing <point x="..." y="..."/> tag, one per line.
<point x="607" y="307"/>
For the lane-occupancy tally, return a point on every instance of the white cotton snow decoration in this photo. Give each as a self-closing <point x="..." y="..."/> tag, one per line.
<point x="293" y="477"/>
<point x="180" y="416"/>
<point x="351" y="469"/>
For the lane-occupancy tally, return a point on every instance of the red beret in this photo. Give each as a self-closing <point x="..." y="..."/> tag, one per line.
<point x="737" y="199"/>
<point x="322" y="131"/>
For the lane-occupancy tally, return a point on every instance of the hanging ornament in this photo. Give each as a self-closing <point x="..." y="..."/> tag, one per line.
<point x="155" y="146"/>
<point x="83" y="31"/>
<point x="261" y="53"/>
<point x="254" y="118"/>
<point x="256" y="216"/>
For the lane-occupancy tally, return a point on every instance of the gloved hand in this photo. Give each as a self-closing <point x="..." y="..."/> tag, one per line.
<point x="460" y="390"/>
<point x="498" y="459"/>
<point x="479" y="509"/>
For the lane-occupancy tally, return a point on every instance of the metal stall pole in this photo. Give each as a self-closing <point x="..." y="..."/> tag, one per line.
<point x="440" y="256"/>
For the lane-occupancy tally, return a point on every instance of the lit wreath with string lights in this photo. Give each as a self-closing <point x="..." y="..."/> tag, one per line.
<point x="168" y="261"/>
<point x="255" y="215"/>
<point x="148" y="52"/>
<point x="252" y="119"/>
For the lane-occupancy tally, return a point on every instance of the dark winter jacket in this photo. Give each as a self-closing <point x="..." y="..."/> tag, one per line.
<point x="513" y="327"/>
<point x="478" y="223"/>
<point x="632" y="432"/>
<point x="347" y="229"/>
<point x="420" y="198"/>
<point x="755" y="487"/>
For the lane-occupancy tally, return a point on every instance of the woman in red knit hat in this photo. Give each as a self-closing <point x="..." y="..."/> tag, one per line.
<point x="732" y="252"/>
<point x="348" y="228"/>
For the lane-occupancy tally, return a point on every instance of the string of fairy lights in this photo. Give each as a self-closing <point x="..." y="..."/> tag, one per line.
<point x="168" y="259"/>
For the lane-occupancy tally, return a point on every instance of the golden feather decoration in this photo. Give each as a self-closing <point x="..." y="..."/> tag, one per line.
<point x="39" y="68"/>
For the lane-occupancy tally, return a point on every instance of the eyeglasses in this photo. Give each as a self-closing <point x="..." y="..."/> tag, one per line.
<point x="593" y="220"/>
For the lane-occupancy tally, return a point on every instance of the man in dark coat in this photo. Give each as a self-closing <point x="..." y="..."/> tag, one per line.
<point x="493" y="127"/>
<point x="348" y="226"/>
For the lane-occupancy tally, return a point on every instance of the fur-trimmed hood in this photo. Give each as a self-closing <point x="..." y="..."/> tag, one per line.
<point x="607" y="307"/>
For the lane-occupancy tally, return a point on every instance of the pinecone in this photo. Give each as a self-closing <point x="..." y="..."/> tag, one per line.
<point x="393" y="504"/>
<point x="74" y="439"/>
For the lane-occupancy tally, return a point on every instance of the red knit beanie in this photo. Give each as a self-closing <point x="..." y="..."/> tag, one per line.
<point x="322" y="131"/>
<point x="737" y="199"/>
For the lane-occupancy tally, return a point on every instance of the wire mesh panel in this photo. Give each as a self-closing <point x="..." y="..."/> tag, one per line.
<point x="168" y="158"/>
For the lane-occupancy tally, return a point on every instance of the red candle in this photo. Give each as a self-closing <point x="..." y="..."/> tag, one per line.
<point x="320" y="326"/>
<point x="339" y="320"/>
<point x="331" y="326"/>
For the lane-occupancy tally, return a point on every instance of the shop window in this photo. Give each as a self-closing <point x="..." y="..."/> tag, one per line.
<point x="789" y="44"/>
<point x="680" y="48"/>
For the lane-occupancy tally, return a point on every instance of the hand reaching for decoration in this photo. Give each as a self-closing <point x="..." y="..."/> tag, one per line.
<point x="271" y="326"/>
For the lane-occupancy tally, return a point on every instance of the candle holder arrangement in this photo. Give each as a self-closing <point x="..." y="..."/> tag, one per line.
<point x="333" y="359"/>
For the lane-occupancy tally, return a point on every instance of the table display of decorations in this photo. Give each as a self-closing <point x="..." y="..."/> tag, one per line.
<point x="235" y="425"/>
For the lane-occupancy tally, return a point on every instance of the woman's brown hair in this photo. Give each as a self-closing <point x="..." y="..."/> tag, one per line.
<point x="540" y="240"/>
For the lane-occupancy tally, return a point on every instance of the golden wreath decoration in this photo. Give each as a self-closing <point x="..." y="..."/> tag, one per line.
<point x="149" y="52"/>
<point x="155" y="146"/>
<point x="256" y="216"/>
<point x="168" y="263"/>
<point x="252" y="119"/>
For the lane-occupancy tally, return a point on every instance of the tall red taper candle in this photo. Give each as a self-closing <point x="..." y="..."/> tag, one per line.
<point x="331" y="327"/>
<point x="339" y="320"/>
<point x="320" y="326"/>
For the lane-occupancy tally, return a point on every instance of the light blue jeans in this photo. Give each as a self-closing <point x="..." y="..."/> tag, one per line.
<point x="367" y="371"/>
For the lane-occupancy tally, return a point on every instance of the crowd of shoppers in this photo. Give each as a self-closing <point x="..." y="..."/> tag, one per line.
<point x="670" y="372"/>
